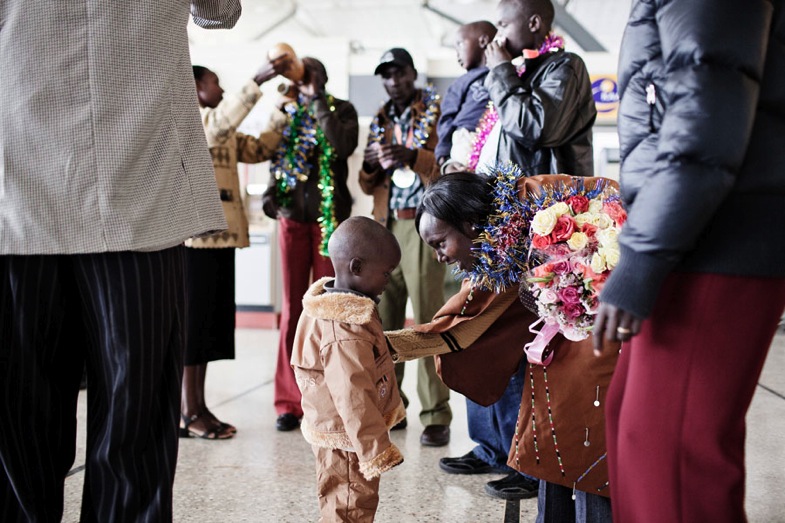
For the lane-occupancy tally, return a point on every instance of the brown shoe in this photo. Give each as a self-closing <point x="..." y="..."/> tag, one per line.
<point x="435" y="436"/>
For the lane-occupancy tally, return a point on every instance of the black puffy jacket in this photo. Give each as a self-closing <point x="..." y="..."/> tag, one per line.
<point x="702" y="133"/>
<point x="546" y="114"/>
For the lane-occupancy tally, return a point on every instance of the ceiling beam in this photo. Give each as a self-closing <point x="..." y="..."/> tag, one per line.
<point x="576" y="31"/>
<point x="290" y="13"/>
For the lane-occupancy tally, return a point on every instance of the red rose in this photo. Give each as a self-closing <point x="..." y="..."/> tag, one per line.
<point x="615" y="211"/>
<point x="563" y="229"/>
<point x="540" y="242"/>
<point x="578" y="204"/>
<point x="588" y="229"/>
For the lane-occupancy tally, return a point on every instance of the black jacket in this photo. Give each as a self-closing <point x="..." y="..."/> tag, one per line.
<point x="703" y="164"/>
<point x="340" y="126"/>
<point x="546" y="114"/>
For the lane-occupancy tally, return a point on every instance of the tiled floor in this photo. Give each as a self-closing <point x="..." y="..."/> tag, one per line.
<point x="267" y="476"/>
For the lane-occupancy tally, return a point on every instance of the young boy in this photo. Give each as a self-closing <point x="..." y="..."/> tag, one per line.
<point x="350" y="398"/>
<point x="466" y="99"/>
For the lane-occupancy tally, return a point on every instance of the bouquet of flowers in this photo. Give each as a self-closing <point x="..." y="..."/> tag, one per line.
<point x="574" y="247"/>
<point x="556" y="237"/>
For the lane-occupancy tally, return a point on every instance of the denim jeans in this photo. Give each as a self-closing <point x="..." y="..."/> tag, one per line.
<point x="493" y="427"/>
<point x="555" y="505"/>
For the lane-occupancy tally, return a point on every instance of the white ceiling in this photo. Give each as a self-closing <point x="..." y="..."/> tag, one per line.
<point x="380" y="24"/>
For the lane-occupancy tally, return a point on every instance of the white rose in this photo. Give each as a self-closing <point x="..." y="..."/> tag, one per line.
<point x="611" y="257"/>
<point x="598" y="262"/>
<point x="559" y="209"/>
<point x="582" y="219"/>
<point x="595" y="206"/>
<point x="543" y="222"/>
<point x="603" y="221"/>
<point x="577" y="241"/>
<point x="608" y="237"/>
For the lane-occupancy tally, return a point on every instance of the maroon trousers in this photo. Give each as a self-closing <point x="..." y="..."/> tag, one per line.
<point x="301" y="263"/>
<point x="677" y="402"/>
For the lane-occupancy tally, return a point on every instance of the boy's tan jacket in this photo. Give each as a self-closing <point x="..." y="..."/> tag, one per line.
<point x="228" y="147"/>
<point x="347" y="378"/>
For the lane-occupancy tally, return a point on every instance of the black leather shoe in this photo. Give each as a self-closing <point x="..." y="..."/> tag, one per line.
<point x="400" y="425"/>
<point x="287" y="422"/>
<point x="435" y="436"/>
<point x="469" y="464"/>
<point x="513" y="486"/>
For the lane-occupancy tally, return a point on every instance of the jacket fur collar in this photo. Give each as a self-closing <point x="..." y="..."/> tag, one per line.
<point x="339" y="306"/>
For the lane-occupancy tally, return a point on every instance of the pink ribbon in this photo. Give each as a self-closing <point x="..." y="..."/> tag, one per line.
<point x="537" y="350"/>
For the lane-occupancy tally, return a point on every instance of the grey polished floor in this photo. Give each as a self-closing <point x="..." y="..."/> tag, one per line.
<point x="267" y="476"/>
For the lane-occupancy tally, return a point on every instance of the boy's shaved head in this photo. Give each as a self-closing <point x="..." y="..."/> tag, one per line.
<point x="470" y="42"/>
<point x="364" y="254"/>
<point x="361" y="237"/>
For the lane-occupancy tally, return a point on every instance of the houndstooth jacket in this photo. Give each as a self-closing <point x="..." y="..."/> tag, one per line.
<point x="101" y="144"/>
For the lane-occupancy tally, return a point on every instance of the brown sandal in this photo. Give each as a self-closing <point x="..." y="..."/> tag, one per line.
<point x="220" y="431"/>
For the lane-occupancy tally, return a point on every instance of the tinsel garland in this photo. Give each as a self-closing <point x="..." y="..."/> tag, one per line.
<point x="290" y="164"/>
<point x="503" y="245"/>
<point x="484" y="128"/>
<point x="421" y="127"/>
<point x="552" y="43"/>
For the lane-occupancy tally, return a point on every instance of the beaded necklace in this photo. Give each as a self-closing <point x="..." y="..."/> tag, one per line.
<point x="290" y="164"/>
<point x="553" y="43"/>
<point x="469" y="298"/>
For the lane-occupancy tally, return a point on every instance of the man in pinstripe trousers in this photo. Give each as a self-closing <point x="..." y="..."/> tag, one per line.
<point x="104" y="171"/>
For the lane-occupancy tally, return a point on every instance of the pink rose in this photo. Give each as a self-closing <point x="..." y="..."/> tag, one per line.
<point x="589" y="274"/>
<point x="569" y="295"/>
<point x="579" y="204"/>
<point x="616" y="212"/>
<point x="561" y="267"/>
<point x="563" y="229"/>
<point x="573" y="310"/>
<point x="540" y="242"/>
<point x="543" y="271"/>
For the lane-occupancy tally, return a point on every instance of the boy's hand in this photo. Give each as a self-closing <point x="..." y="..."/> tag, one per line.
<point x="496" y="54"/>
<point x="454" y="167"/>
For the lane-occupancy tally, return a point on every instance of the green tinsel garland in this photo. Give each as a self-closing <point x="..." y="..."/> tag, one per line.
<point x="291" y="165"/>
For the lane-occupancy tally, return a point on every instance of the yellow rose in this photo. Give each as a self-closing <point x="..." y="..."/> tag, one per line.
<point x="559" y="209"/>
<point x="543" y="222"/>
<point x="597" y="262"/>
<point x="577" y="241"/>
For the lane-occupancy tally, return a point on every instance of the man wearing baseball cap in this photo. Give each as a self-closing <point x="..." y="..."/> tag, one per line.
<point x="398" y="164"/>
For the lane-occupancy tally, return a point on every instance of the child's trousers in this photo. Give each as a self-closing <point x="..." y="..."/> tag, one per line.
<point x="344" y="493"/>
